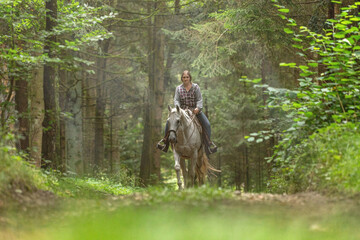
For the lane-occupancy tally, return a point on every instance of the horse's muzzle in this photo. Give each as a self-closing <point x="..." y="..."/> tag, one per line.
<point x="172" y="137"/>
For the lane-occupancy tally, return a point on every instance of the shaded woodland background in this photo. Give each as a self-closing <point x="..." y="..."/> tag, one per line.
<point x="86" y="84"/>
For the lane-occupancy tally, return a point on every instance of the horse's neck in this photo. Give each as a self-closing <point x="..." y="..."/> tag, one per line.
<point x="187" y="127"/>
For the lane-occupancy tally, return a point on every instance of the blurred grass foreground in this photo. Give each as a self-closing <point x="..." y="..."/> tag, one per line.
<point x="203" y="213"/>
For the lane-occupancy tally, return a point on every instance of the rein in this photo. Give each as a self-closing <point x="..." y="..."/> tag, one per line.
<point x="194" y="126"/>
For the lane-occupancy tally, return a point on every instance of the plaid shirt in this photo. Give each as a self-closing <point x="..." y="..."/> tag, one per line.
<point x="190" y="99"/>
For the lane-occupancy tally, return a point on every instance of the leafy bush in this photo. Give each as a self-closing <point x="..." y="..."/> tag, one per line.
<point x="328" y="93"/>
<point x="327" y="160"/>
<point x="331" y="159"/>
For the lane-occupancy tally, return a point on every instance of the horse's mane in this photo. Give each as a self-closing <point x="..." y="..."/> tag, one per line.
<point x="186" y="113"/>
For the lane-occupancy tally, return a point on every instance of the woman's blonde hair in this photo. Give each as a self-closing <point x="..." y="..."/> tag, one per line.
<point x="186" y="72"/>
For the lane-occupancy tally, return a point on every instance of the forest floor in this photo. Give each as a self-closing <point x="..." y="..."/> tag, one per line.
<point x="202" y="213"/>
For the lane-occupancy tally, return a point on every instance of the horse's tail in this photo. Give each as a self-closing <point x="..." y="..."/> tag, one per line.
<point x="205" y="168"/>
<point x="209" y="168"/>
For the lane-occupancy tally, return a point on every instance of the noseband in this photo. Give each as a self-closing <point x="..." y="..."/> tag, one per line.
<point x="175" y="130"/>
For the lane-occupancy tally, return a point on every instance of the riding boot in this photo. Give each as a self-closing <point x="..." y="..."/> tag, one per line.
<point x="210" y="146"/>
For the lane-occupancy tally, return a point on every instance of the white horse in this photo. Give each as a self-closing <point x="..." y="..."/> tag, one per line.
<point x="186" y="142"/>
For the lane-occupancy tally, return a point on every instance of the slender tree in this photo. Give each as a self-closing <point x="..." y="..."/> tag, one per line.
<point x="50" y="119"/>
<point x="150" y="158"/>
<point x="36" y="115"/>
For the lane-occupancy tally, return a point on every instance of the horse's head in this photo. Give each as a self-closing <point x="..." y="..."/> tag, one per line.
<point x="174" y="122"/>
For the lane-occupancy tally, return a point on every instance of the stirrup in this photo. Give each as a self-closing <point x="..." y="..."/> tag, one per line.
<point x="164" y="147"/>
<point x="212" y="148"/>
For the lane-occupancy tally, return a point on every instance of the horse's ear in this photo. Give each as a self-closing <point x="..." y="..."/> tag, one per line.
<point x="169" y="108"/>
<point x="177" y="108"/>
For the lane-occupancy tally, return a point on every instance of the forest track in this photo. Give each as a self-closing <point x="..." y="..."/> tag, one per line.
<point x="302" y="201"/>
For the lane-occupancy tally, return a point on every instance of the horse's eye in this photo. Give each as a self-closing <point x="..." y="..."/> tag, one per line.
<point x="178" y="121"/>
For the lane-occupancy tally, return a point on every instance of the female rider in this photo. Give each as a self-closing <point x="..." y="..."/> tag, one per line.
<point x="188" y="95"/>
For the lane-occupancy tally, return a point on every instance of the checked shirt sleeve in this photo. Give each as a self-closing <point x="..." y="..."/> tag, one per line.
<point x="177" y="97"/>
<point x="199" y="100"/>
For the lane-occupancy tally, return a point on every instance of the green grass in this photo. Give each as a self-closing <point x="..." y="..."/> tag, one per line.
<point x="178" y="221"/>
<point x="87" y="187"/>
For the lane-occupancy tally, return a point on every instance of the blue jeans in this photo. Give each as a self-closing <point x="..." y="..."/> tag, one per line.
<point x="204" y="123"/>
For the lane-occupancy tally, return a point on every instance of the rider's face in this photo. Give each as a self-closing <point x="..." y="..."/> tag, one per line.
<point x="185" y="78"/>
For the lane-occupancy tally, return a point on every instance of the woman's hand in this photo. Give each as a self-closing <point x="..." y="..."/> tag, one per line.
<point x="196" y="111"/>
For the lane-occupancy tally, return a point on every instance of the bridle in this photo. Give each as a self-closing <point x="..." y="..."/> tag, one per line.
<point x="174" y="130"/>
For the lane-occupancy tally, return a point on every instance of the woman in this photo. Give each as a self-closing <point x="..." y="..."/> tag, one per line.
<point x="188" y="95"/>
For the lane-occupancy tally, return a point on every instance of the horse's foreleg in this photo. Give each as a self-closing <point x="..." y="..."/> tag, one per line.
<point x="177" y="169"/>
<point x="183" y="169"/>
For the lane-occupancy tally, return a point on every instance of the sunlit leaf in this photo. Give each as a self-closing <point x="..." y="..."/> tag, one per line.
<point x="284" y="10"/>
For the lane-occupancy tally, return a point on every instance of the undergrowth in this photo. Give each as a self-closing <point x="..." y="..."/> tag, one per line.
<point x="17" y="175"/>
<point x="329" y="160"/>
<point x="87" y="187"/>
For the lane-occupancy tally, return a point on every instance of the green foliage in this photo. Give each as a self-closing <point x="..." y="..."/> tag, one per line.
<point x="23" y="36"/>
<point x="328" y="93"/>
<point x="17" y="175"/>
<point x="25" y="27"/>
<point x="328" y="88"/>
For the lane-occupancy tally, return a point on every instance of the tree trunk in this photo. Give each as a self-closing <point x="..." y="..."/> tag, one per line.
<point x="73" y="125"/>
<point x="22" y="107"/>
<point x="62" y="102"/>
<point x="88" y="112"/>
<point x="145" y="152"/>
<point x="50" y="120"/>
<point x="247" y="169"/>
<point x="237" y="173"/>
<point x="100" y="106"/>
<point x="150" y="158"/>
<point x="36" y="115"/>
<point x="333" y="10"/>
<point x="115" y="125"/>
